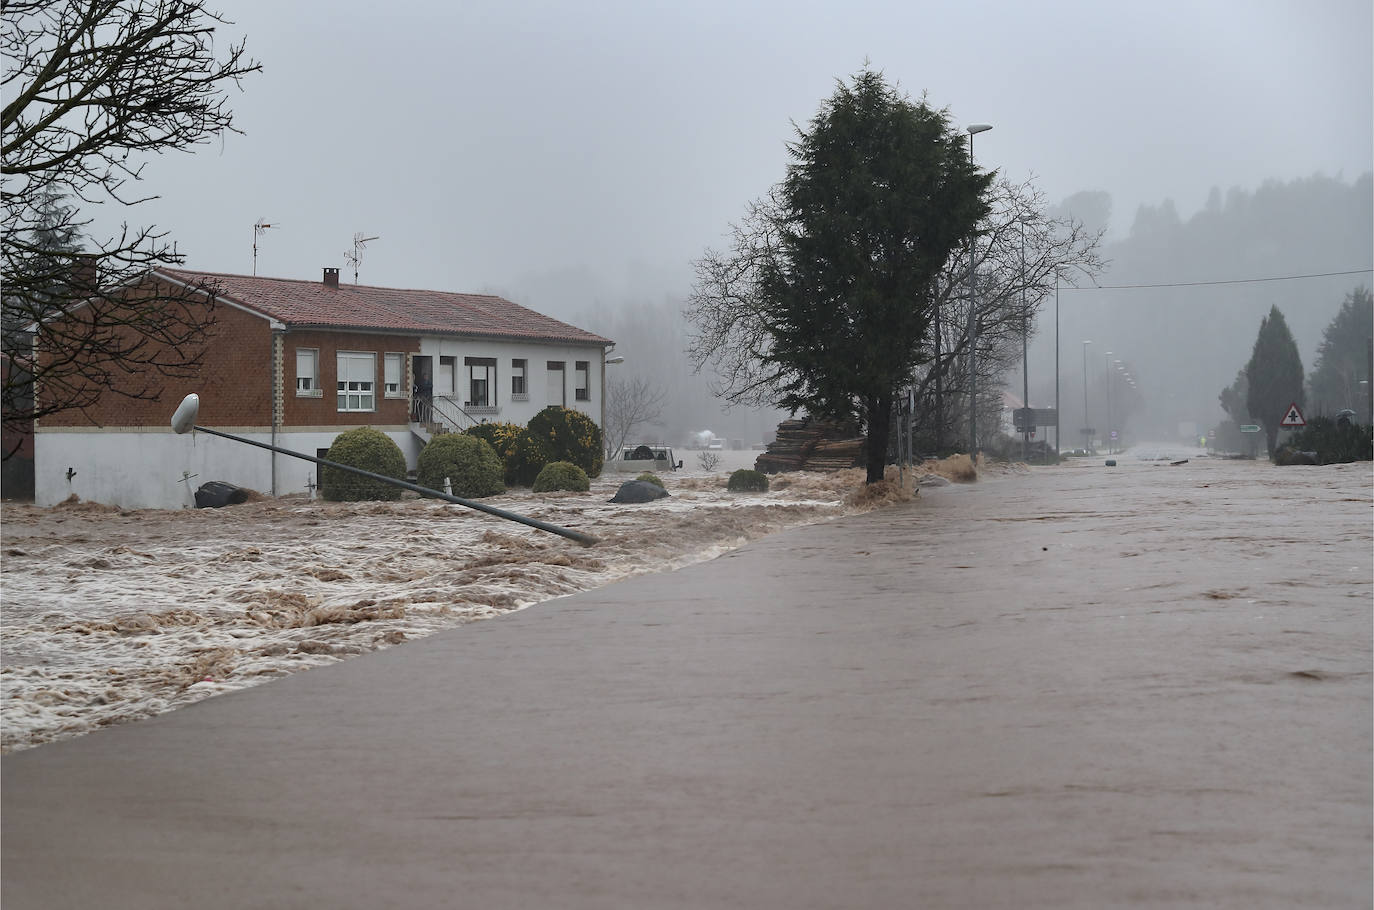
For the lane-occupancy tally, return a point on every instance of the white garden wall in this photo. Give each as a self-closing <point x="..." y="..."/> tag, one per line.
<point x="145" y="469"/>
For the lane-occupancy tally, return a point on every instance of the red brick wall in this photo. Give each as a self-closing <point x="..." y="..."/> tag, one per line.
<point x="323" y="411"/>
<point x="234" y="382"/>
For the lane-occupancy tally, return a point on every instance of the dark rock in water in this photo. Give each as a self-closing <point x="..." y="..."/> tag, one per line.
<point x="217" y="493"/>
<point x="1287" y="456"/>
<point x="639" y="491"/>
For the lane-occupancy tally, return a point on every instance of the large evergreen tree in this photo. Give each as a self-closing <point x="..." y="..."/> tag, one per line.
<point x="1343" y="358"/>
<point x="1274" y="375"/>
<point x="840" y="264"/>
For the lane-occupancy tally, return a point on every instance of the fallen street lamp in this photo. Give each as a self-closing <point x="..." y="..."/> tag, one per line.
<point x="184" y="420"/>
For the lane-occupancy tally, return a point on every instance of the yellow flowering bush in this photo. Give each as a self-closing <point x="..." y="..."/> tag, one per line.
<point x="520" y="452"/>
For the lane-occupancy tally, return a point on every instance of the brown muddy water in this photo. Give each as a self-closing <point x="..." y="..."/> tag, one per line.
<point x="1078" y="686"/>
<point x="109" y="616"/>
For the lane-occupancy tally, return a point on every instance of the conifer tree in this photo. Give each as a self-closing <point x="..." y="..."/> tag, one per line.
<point x="837" y="279"/>
<point x="1274" y="375"/>
<point x="1343" y="358"/>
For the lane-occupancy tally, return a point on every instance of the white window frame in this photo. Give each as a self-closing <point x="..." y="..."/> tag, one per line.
<point x="480" y="369"/>
<point x="519" y="379"/>
<point x="312" y="388"/>
<point x="582" y="380"/>
<point x="356" y="381"/>
<point x="446" y="380"/>
<point x="395" y="389"/>
<point x="558" y="367"/>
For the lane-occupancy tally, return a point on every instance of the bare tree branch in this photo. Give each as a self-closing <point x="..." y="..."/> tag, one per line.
<point x="630" y="403"/>
<point x="1055" y="250"/>
<point x="93" y="87"/>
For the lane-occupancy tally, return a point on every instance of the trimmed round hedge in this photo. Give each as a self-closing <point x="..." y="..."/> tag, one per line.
<point x="561" y="475"/>
<point x="470" y="464"/>
<point x="368" y="449"/>
<point x="522" y="454"/>
<point x="649" y="477"/>
<point x="569" y="435"/>
<point x="747" y="481"/>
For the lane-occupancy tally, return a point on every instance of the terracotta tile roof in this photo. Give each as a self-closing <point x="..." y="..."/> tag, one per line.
<point x="301" y="304"/>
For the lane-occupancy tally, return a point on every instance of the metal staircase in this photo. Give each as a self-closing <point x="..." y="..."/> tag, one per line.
<point x="430" y="416"/>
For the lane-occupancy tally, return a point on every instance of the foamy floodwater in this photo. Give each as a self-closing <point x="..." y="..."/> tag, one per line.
<point x="109" y="615"/>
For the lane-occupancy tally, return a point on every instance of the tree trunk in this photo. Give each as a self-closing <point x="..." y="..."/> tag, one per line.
<point x="879" y="418"/>
<point x="1271" y="434"/>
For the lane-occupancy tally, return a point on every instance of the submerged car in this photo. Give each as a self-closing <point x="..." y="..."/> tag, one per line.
<point x="639" y="458"/>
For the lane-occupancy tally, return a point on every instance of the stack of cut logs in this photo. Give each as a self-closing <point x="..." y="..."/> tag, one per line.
<point x="812" y="445"/>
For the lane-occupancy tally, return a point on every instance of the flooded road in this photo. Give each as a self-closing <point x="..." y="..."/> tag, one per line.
<point x="1082" y="686"/>
<point x="110" y="616"/>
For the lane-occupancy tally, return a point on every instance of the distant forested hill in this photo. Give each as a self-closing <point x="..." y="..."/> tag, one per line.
<point x="1185" y="344"/>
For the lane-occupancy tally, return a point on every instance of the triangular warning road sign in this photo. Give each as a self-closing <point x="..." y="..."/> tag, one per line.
<point x="1293" y="418"/>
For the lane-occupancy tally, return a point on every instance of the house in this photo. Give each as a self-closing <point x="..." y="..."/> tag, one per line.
<point x="293" y="363"/>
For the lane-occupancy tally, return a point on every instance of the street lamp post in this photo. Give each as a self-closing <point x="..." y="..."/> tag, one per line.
<point x="1107" y="365"/>
<point x="1119" y="369"/>
<point x="1057" y="410"/>
<point x="1025" y="365"/>
<point x="604" y="362"/>
<point x="973" y="130"/>
<point x="1087" y="430"/>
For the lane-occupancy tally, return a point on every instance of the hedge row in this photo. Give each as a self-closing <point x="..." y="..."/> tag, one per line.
<point x="481" y="461"/>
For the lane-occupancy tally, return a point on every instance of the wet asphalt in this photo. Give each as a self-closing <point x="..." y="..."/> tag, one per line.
<point x="1073" y="688"/>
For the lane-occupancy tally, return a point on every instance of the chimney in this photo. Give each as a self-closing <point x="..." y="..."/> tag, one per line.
<point x="331" y="278"/>
<point x="85" y="276"/>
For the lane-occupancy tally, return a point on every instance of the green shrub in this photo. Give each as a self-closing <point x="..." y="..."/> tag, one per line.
<point x="747" y="481"/>
<point x="468" y="462"/>
<point x="522" y="454"/>
<point x="648" y="477"/>
<point x="569" y="435"/>
<point x="1334" y="443"/>
<point x="368" y="449"/>
<point x="561" y="475"/>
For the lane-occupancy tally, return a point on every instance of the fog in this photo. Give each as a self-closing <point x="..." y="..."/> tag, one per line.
<point x="1183" y="345"/>
<point x="577" y="157"/>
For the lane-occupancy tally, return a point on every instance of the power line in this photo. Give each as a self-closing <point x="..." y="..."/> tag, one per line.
<point x="1194" y="284"/>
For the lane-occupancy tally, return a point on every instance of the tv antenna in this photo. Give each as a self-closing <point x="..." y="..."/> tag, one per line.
<point x="355" y="255"/>
<point x="258" y="230"/>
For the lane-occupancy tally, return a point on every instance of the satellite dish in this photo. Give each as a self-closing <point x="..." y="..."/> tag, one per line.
<point x="185" y="417"/>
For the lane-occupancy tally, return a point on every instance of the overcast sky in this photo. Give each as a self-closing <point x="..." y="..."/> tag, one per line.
<point x="487" y="141"/>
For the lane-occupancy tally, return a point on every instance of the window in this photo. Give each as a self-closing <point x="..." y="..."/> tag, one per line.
<point x="357" y="381"/>
<point x="557" y="395"/>
<point x="582" y="381"/>
<point x="517" y="380"/>
<point x="444" y="386"/>
<point x="481" y="382"/>
<point x="308" y="373"/>
<point x="391" y="377"/>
